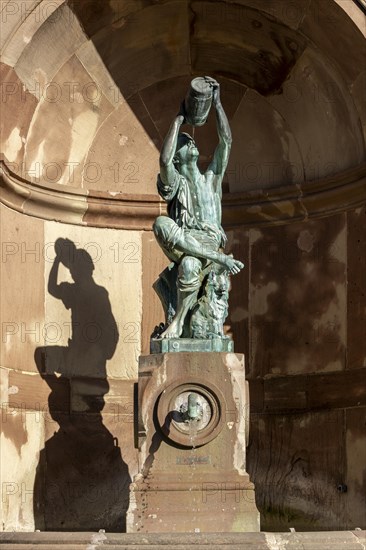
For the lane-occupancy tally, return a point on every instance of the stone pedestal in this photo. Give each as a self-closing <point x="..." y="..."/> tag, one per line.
<point x="192" y="475"/>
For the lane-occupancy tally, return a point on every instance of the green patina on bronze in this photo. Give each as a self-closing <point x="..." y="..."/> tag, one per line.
<point x="194" y="287"/>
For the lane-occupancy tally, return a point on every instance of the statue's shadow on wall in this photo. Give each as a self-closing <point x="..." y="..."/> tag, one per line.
<point x="82" y="482"/>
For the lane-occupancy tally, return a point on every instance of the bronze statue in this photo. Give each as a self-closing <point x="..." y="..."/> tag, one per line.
<point x="192" y="236"/>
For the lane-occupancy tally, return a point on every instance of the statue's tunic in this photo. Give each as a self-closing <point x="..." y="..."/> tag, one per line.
<point x="182" y="200"/>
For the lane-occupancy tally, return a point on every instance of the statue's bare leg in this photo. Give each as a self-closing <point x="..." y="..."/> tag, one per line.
<point x="188" y="285"/>
<point x="172" y="237"/>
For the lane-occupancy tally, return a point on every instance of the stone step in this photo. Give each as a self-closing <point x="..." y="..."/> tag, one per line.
<point x="325" y="540"/>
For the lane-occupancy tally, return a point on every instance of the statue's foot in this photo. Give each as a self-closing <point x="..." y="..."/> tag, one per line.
<point x="174" y="330"/>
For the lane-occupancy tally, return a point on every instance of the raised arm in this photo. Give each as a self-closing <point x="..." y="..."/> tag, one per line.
<point x="222" y="152"/>
<point x="167" y="169"/>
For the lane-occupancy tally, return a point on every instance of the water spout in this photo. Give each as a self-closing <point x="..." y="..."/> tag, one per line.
<point x="192" y="411"/>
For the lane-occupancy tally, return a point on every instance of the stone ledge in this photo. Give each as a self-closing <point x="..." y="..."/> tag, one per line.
<point x="282" y="205"/>
<point x="308" y="392"/>
<point x="325" y="540"/>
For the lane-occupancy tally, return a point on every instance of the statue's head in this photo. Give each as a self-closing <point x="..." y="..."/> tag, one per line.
<point x="186" y="150"/>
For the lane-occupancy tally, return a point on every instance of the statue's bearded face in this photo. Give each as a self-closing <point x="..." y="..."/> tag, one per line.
<point x="186" y="149"/>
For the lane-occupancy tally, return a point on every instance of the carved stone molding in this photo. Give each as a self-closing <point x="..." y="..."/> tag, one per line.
<point x="315" y="199"/>
<point x="78" y="206"/>
<point x="308" y="392"/>
<point x="282" y="205"/>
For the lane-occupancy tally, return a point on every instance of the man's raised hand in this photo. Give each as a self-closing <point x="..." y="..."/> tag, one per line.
<point x="181" y="116"/>
<point x="215" y="89"/>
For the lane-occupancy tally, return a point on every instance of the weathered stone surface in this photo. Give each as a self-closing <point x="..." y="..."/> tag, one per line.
<point x="153" y="263"/>
<point x="306" y="392"/>
<point x="324" y="23"/>
<point x="125" y="151"/>
<point x="82" y="473"/>
<point x="270" y="155"/>
<point x="296" y="462"/>
<point x="237" y="322"/>
<point x="82" y="476"/>
<point x="28" y="393"/>
<point x="356" y="294"/>
<point x="297" y="298"/>
<point x="22" y="436"/>
<point x="74" y="107"/>
<point x="22" y="273"/>
<point x="357" y="90"/>
<point x="316" y="92"/>
<point x="89" y="57"/>
<point x="263" y="67"/>
<point x="289" y="14"/>
<point x="355" y="501"/>
<point x="21" y="22"/>
<point x="162" y="47"/>
<point x="50" y="48"/>
<point x="344" y="540"/>
<point x="355" y="13"/>
<point x="19" y="106"/>
<point x="96" y="14"/>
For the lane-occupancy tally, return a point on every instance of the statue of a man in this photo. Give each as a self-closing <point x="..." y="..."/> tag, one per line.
<point x="192" y="235"/>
